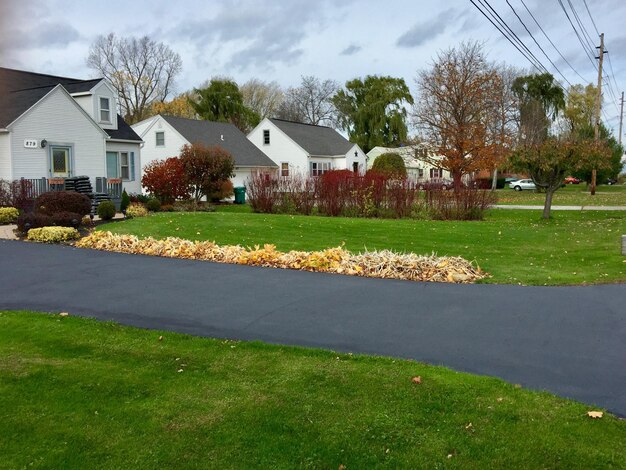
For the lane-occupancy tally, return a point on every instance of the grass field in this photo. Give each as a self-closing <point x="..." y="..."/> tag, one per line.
<point x="78" y="393"/>
<point x="514" y="246"/>
<point x="570" y="195"/>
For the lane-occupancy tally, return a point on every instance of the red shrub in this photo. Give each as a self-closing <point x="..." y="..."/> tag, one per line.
<point x="224" y="189"/>
<point x="205" y="168"/>
<point x="464" y="204"/>
<point x="262" y="193"/>
<point x="166" y="180"/>
<point x="17" y="193"/>
<point x="54" y="202"/>
<point x="333" y="191"/>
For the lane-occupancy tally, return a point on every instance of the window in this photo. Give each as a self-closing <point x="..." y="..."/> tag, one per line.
<point x="436" y="173"/>
<point x="105" y="110"/>
<point x="61" y="162"/>
<point x="284" y="169"/>
<point x="160" y="139"/>
<point x="121" y="165"/>
<point x="266" y="136"/>
<point x="319" y="168"/>
<point x="420" y="172"/>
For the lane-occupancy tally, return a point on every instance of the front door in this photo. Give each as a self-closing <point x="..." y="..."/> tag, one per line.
<point x="61" y="161"/>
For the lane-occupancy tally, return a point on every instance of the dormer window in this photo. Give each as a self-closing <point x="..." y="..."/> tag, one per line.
<point x="105" y="110"/>
<point x="160" y="139"/>
<point x="266" y="136"/>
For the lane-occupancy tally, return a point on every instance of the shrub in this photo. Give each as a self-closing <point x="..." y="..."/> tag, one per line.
<point x="153" y="205"/>
<point x="165" y="180"/>
<point x="142" y="198"/>
<point x="391" y="164"/>
<point x="53" y="234"/>
<point x="464" y="204"/>
<point x="66" y="219"/>
<point x="17" y="194"/>
<point x="8" y="215"/>
<point x="261" y="189"/>
<point x="192" y="206"/>
<point x="106" y="210"/>
<point x="63" y="201"/>
<point x="167" y="208"/>
<point x="33" y="220"/>
<point x="125" y="201"/>
<point x="205" y="168"/>
<point x="224" y="189"/>
<point x="136" y="209"/>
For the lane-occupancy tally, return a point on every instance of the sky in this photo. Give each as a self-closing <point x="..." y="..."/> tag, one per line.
<point x="282" y="40"/>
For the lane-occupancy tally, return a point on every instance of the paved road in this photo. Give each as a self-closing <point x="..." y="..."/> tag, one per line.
<point x="568" y="340"/>
<point x="562" y="208"/>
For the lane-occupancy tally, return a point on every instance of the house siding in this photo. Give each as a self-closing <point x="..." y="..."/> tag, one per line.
<point x="5" y="157"/>
<point x="150" y="151"/>
<point x="131" y="187"/>
<point x="281" y="148"/>
<point x="59" y="121"/>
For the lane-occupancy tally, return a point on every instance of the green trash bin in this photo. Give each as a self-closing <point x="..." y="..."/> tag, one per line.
<point x="240" y="195"/>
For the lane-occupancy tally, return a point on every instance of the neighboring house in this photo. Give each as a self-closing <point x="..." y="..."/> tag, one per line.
<point x="164" y="137"/>
<point x="56" y="127"/>
<point x="306" y="149"/>
<point x="419" y="169"/>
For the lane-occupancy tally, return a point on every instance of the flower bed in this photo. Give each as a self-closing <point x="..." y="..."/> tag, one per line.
<point x="381" y="264"/>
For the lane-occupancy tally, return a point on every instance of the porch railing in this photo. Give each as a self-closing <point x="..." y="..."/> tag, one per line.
<point x="33" y="187"/>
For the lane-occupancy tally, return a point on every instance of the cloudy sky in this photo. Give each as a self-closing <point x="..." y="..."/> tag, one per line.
<point x="284" y="39"/>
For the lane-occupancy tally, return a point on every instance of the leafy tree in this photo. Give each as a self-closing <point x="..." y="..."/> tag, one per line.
<point x="179" y="106"/>
<point x="310" y="103"/>
<point x="613" y="165"/>
<point x="372" y="111"/>
<point x="541" y="100"/>
<point x="222" y="101"/>
<point x="580" y="106"/>
<point x="263" y="98"/>
<point x="456" y="98"/>
<point x="206" y="169"/>
<point x="550" y="161"/>
<point x="390" y="163"/>
<point x="166" y="180"/>
<point x="142" y="71"/>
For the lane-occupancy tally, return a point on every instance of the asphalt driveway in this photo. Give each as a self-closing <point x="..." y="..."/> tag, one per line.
<point x="567" y="340"/>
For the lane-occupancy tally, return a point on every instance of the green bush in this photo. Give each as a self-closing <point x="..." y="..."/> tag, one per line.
<point x="8" y="215"/>
<point x="390" y="164"/>
<point x="125" y="201"/>
<point x="153" y="205"/>
<point x="106" y="210"/>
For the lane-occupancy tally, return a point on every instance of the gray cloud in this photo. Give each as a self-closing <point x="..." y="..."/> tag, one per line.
<point x="351" y="50"/>
<point x="46" y="35"/>
<point x="423" y="32"/>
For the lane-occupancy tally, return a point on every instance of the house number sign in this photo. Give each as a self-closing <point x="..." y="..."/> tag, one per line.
<point x="31" y="143"/>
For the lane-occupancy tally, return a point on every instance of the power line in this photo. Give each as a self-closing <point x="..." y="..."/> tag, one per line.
<point x="594" y="23"/>
<point x="582" y="43"/>
<point x="586" y="35"/>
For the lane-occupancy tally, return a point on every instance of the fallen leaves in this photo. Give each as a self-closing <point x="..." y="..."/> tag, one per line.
<point x="63" y="314"/>
<point x="381" y="264"/>
<point x="417" y="380"/>
<point x="595" y="414"/>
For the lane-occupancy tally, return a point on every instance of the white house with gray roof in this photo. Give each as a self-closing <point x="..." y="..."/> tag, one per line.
<point x="57" y="127"/>
<point x="306" y="149"/>
<point x="164" y="137"/>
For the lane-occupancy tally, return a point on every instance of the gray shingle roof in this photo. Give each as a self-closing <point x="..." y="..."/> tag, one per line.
<point x="226" y="135"/>
<point x="123" y="132"/>
<point x="316" y="140"/>
<point x="14" y="103"/>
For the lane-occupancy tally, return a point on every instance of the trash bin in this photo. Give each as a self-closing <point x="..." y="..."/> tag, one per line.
<point x="240" y="195"/>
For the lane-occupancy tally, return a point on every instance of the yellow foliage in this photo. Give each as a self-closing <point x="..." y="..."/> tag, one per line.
<point x="52" y="234"/>
<point x="8" y="215"/>
<point x="381" y="264"/>
<point x="136" y="209"/>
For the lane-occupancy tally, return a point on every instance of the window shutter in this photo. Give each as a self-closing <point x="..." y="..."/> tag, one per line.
<point x="132" y="166"/>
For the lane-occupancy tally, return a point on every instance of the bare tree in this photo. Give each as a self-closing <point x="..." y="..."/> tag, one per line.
<point x="141" y="70"/>
<point x="456" y="97"/>
<point x="311" y="102"/>
<point x="263" y="98"/>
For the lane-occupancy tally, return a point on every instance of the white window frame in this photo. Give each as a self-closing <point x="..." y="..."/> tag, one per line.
<point x="420" y="172"/>
<point x="319" y="168"/>
<point x="436" y="173"/>
<point x="266" y="136"/>
<point x="156" y="138"/>
<point x="107" y="110"/>
<point x="121" y="165"/>
<point x="284" y="169"/>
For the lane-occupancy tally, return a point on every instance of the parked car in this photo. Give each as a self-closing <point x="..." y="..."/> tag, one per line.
<point x="611" y="181"/>
<point x="519" y="185"/>
<point x="571" y="180"/>
<point x="436" y="183"/>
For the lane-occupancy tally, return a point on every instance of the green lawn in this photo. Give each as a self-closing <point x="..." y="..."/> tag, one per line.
<point x="78" y="393"/>
<point x="570" y="195"/>
<point x="515" y="246"/>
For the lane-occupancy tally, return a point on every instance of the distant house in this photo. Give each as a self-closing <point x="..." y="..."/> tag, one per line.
<point x="306" y="149"/>
<point x="419" y="161"/>
<point x="164" y="137"/>
<point x="54" y="127"/>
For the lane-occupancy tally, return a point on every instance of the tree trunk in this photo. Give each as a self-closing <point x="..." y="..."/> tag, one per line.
<point x="593" y="182"/>
<point x="494" y="181"/>
<point x="456" y="178"/>
<point x="548" y="204"/>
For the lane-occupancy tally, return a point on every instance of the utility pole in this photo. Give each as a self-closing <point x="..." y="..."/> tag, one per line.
<point x="621" y="118"/>
<point x="596" y="130"/>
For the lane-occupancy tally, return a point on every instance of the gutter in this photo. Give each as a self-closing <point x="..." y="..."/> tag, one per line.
<point x="126" y="141"/>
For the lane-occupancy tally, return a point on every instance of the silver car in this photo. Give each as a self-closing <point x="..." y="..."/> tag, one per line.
<point x="522" y="184"/>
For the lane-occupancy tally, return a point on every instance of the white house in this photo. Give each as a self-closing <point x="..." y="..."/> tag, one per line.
<point x="164" y="137"/>
<point x="58" y="127"/>
<point x="419" y="161"/>
<point x="306" y="149"/>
